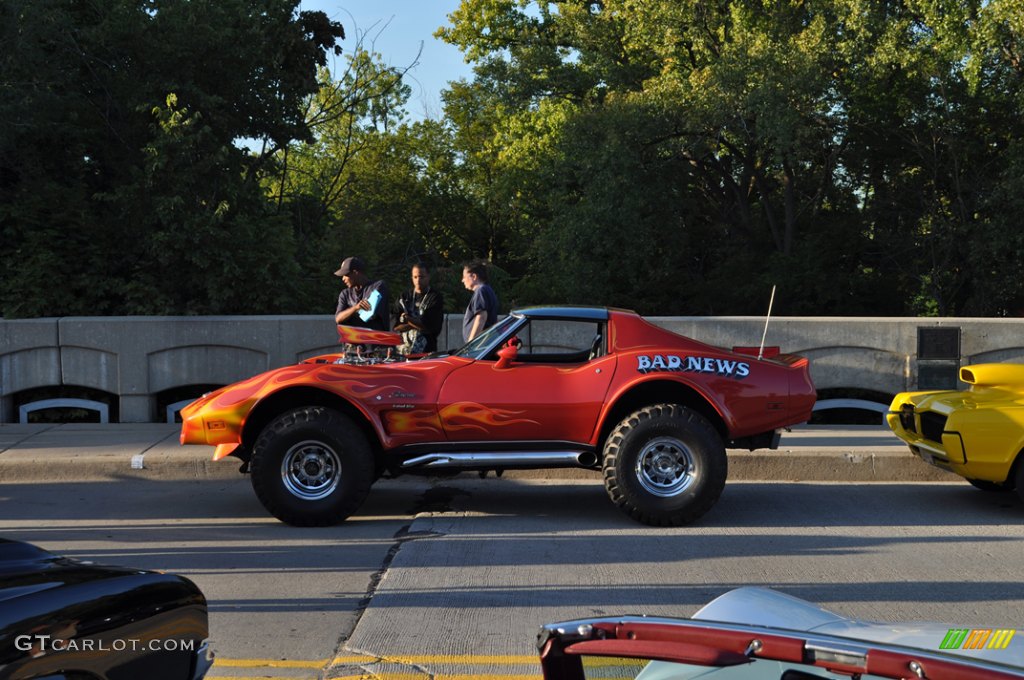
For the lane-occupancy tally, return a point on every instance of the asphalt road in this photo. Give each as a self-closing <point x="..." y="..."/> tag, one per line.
<point x="451" y="578"/>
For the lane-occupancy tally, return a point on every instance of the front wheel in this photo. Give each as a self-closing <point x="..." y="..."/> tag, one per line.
<point x="664" y="465"/>
<point x="312" y="467"/>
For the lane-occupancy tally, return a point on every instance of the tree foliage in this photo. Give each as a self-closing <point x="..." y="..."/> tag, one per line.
<point x="123" y="190"/>
<point x="682" y="156"/>
<point x="672" y="156"/>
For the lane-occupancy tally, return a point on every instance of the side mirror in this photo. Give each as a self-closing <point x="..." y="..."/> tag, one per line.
<point x="506" y="355"/>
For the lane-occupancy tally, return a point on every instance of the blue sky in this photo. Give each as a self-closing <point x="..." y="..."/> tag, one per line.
<point x="396" y="29"/>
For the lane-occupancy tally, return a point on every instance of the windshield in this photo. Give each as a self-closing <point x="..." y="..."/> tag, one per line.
<point x="487" y="338"/>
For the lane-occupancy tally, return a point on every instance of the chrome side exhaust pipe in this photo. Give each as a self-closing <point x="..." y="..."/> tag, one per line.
<point x="504" y="459"/>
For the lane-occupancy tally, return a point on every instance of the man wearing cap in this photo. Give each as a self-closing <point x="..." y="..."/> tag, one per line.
<point x="363" y="303"/>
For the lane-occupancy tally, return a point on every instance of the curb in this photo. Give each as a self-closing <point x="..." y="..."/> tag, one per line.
<point x="63" y="468"/>
<point x="777" y="466"/>
<point x="824" y="465"/>
<point x="93" y="452"/>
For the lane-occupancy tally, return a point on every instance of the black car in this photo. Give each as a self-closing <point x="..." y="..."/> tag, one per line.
<point x="62" y="619"/>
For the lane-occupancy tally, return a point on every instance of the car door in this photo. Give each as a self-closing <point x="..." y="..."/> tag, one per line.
<point x="541" y="396"/>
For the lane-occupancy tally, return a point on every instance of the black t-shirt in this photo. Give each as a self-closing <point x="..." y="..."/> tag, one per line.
<point x="428" y="308"/>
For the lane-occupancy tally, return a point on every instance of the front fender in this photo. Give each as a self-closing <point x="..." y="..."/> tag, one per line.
<point x="214" y="420"/>
<point x="223" y="417"/>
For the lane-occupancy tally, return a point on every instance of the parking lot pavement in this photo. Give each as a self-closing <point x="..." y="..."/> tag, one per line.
<point x="71" y="452"/>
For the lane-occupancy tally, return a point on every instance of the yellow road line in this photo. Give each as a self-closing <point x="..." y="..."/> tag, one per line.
<point x="269" y="677"/>
<point x="268" y="663"/>
<point x="458" y="659"/>
<point x="419" y="660"/>
<point x="390" y="676"/>
<point x="441" y="676"/>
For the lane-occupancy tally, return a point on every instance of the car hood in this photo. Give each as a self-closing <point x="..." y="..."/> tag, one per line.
<point x="771" y="609"/>
<point x="359" y="381"/>
<point x="26" y="569"/>
<point x="43" y="592"/>
<point x="977" y="399"/>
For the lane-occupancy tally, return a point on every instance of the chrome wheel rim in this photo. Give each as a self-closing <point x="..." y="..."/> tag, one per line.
<point x="665" y="467"/>
<point x="311" y="470"/>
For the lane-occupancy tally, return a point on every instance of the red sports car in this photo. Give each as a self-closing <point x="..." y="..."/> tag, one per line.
<point x="545" y="387"/>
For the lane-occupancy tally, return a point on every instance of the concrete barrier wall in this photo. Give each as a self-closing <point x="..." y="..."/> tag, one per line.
<point x="864" y="353"/>
<point x="133" y="359"/>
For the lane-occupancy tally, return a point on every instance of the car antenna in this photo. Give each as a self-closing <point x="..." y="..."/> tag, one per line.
<point x="760" y="351"/>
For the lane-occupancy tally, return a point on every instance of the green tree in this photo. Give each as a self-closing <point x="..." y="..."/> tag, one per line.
<point x="331" y="186"/>
<point x="123" y="187"/>
<point x="371" y="183"/>
<point x="850" y="151"/>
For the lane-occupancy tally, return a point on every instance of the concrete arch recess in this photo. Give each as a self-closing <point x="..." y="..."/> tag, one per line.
<point x="865" y="368"/>
<point x="26" y="369"/>
<point x="202" y="364"/>
<point x="101" y="409"/>
<point x="87" y="367"/>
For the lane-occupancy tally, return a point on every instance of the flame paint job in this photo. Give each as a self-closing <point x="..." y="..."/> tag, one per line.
<point x="471" y="416"/>
<point x="450" y="399"/>
<point x="364" y="336"/>
<point x="418" y="422"/>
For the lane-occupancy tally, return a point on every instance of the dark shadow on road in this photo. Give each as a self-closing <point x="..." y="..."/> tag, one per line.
<point x="759" y="504"/>
<point x="215" y="529"/>
<point x="638" y="599"/>
<point x="581" y="504"/>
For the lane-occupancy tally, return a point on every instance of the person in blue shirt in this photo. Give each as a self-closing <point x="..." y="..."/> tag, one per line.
<point x="482" y="311"/>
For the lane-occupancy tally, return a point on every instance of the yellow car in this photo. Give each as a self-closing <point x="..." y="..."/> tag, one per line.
<point x="978" y="434"/>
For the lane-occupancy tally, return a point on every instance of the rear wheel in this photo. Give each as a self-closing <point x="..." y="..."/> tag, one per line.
<point x="312" y="467"/>
<point x="664" y="465"/>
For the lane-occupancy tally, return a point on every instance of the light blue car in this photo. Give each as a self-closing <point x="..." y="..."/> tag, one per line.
<point x="757" y="633"/>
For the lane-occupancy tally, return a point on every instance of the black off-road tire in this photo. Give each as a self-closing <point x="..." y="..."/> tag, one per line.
<point x="312" y="467"/>
<point x="664" y="465"/>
